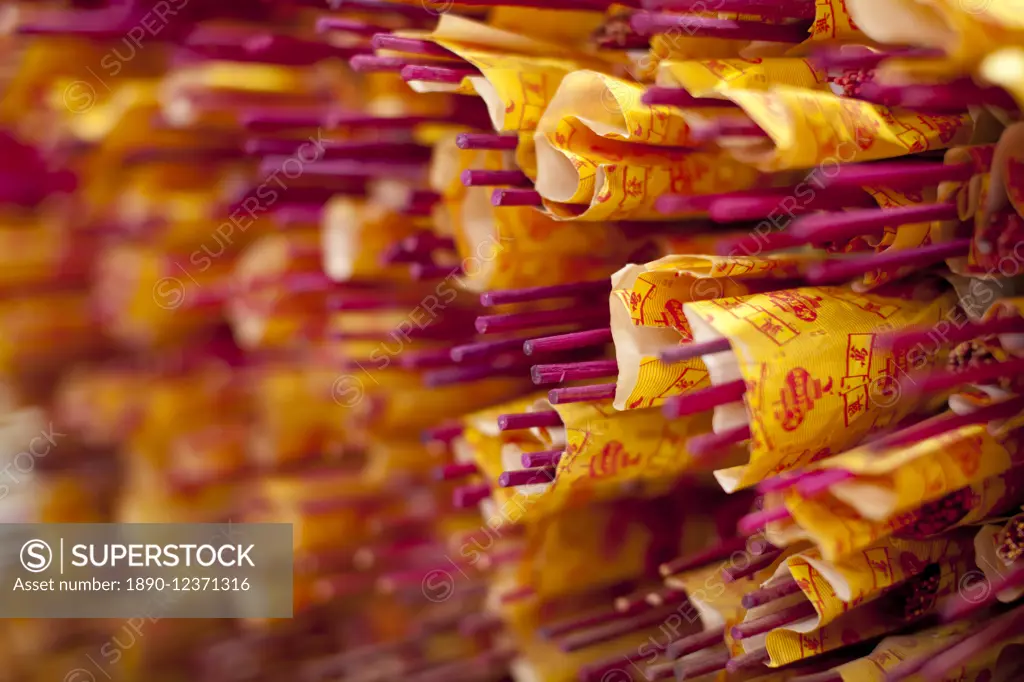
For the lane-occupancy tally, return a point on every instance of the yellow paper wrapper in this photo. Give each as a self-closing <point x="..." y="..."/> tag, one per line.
<point x="647" y="318"/>
<point x="826" y="390"/>
<point x="807" y="128"/>
<point x="705" y="77"/>
<point x="356" y="235"/>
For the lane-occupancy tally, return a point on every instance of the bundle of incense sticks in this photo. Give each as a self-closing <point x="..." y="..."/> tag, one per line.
<point x="576" y="340"/>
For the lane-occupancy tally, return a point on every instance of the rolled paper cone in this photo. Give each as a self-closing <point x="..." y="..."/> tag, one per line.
<point x="944" y="423"/>
<point x="436" y="74"/>
<point x="703" y="665"/>
<point x="678" y="97"/>
<point x="898" y="174"/>
<point x="456" y="471"/>
<point x="722" y="550"/>
<point x="574" y="371"/>
<point x="841" y="57"/>
<point x="528" y="420"/>
<point x="751" y="523"/>
<point x="581" y="394"/>
<point x="345" y="25"/>
<point x="905" y="338"/>
<point x="789" y="9"/>
<point x="691" y="644"/>
<point x="387" y="41"/>
<point x="545" y="458"/>
<point x="811" y="486"/>
<point x="705" y="400"/>
<point x="777" y="590"/>
<point x="514" y="479"/>
<point x="980" y="374"/>
<point x="444" y="433"/>
<point x="614" y="630"/>
<point x="695" y="350"/>
<point x="468" y="496"/>
<point x="530" y="294"/>
<point x="485" y="141"/>
<point x="428" y="271"/>
<point x="651" y="23"/>
<point x="710" y="444"/>
<point x="516" y="197"/>
<point x="838" y="227"/>
<point x="494" y="178"/>
<point x="837" y="271"/>
<point x="485" y="350"/>
<point x="571" y="341"/>
<point x="496" y="324"/>
<point x="767" y="623"/>
<point x="964" y="605"/>
<point x="749" y="661"/>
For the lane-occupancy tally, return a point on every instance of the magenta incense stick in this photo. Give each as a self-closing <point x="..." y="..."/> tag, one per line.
<point x="751" y="523"/>
<point x="898" y="174"/>
<point x="571" y="341"/>
<point x="455" y="472"/>
<point x="496" y="324"/>
<point x="545" y="458"/>
<point x="767" y="623"/>
<point x="495" y="178"/>
<point x="468" y="496"/>
<point x="529" y="420"/>
<point x="581" y="394"/>
<point x="486" y="349"/>
<point x="485" y="141"/>
<point x="517" y="197"/>
<point x="702" y="665"/>
<point x="691" y="644"/>
<point x="436" y="74"/>
<point x="842" y="57"/>
<point x="521" y="477"/>
<point x="694" y="350"/>
<point x="777" y="590"/>
<point x="717" y="552"/>
<point x="944" y="423"/>
<point x="651" y="23"/>
<point x="787" y="9"/>
<point x="705" y="400"/>
<point x="839" y="270"/>
<point x="387" y="41"/>
<point x="678" y="97"/>
<point x="708" y="445"/>
<point x="574" y="371"/>
<point x="543" y="293"/>
<point x="838" y="227"/>
<point x="930" y="337"/>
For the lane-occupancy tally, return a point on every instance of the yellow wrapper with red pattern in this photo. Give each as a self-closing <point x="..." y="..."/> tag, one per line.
<point x="829" y="385"/>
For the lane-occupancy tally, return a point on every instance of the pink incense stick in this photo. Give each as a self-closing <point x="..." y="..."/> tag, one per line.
<point x="842" y="57"/>
<point x="754" y="206"/>
<point x="711" y="444"/>
<point x="614" y="630"/>
<point x="944" y="423"/>
<point x="600" y="671"/>
<point x="668" y="204"/>
<point x="678" y="97"/>
<point x="455" y="472"/>
<point x="486" y="141"/>
<point x="837" y="271"/>
<point x="751" y="661"/>
<point x="517" y="197"/>
<point x="945" y="97"/>
<point x="581" y="394"/>
<point x="921" y="336"/>
<point x="371" y="63"/>
<point x="545" y="458"/>
<point x="497" y="324"/>
<point x="572" y="5"/>
<point x="786" y="616"/>
<point x="788" y="9"/>
<point x="898" y="174"/>
<point x="698" y="642"/>
<point x="468" y="496"/>
<point x="387" y="41"/>
<point x="470" y="373"/>
<point x="695" y="350"/>
<point x="573" y="371"/>
<point x="702" y="665"/>
<point x="520" y="477"/>
<point x="821" y="481"/>
<point x="290" y="51"/>
<point x="752" y="523"/>
<point x="426" y="242"/>
<point x="650" y="23"/>
<point x="577" y="623"/>
<point x="438" y="357"/>
<point x="529" y="420"/>
<point x="726" y="126"/>
<point x="436" y="74"/>
<point x="385" y="6"/>
<point x="839" y="227"/>
<point x="777" y="590"/>
<point x="486" y="349"/>
<point x="543" y="293"/>
<point x="495" y="178"/>
<point x="444" y="433"/>
<point x="666" y="596"/>
<point x="571" y="341"/>
<point x="346" y="25"/>
<point x="966" y="604"/>
<point x="980" y="374"/>
<point x="734" y="573"/>
<point x="717" y="552"/>
<point x="705" y="399"/>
